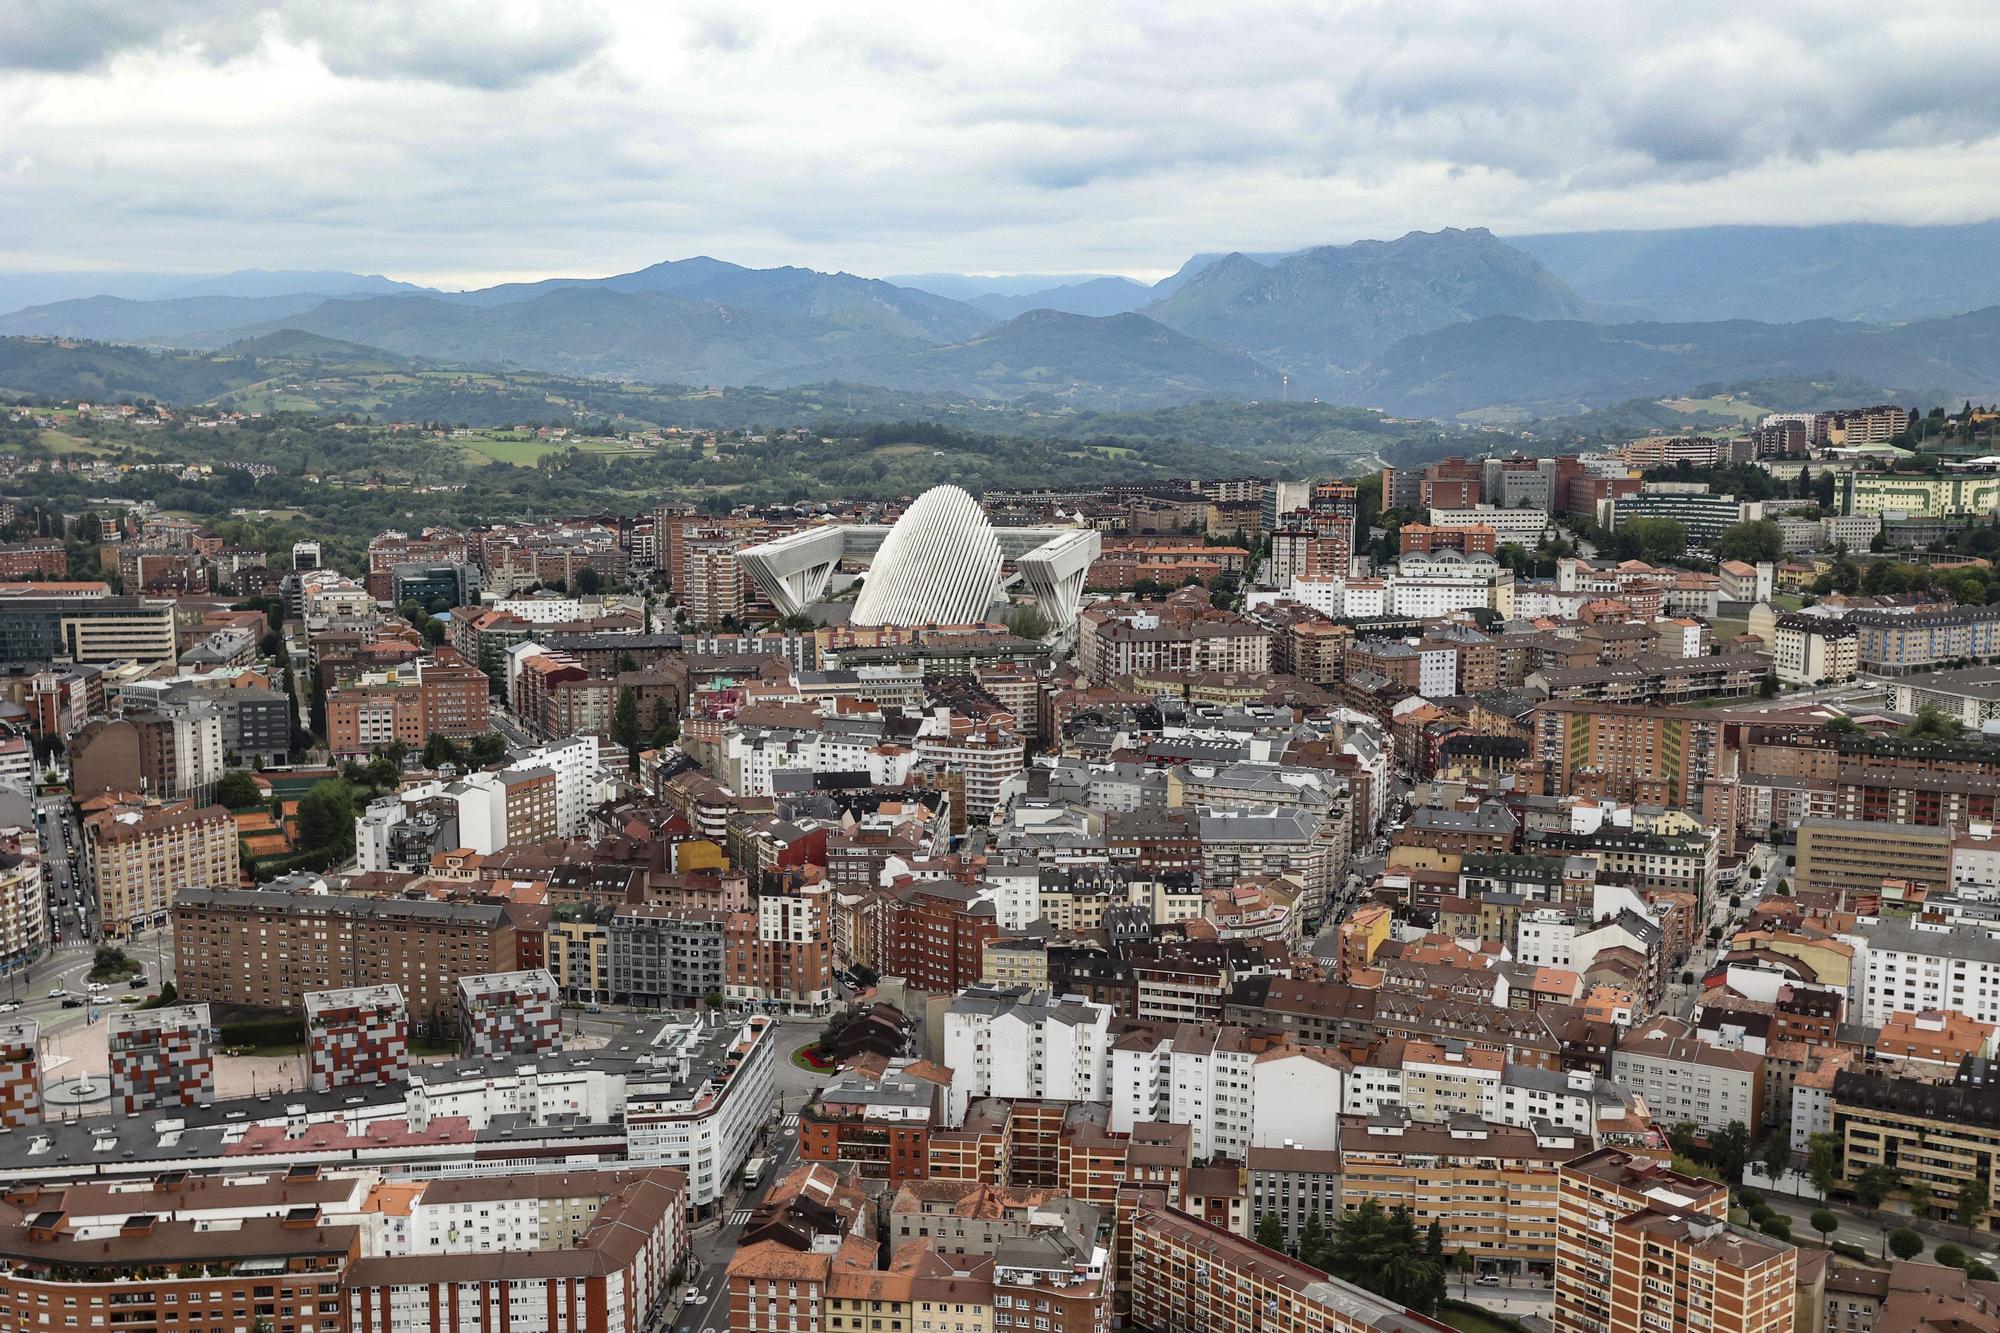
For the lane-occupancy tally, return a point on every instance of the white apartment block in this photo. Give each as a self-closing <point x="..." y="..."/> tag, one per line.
<point x="1231" y="1092"/>
<point x="1912" y="969"/>
<point x="1009" y="1041"/>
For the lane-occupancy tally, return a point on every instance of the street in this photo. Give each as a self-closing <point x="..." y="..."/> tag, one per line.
<point x="73" y="934"/>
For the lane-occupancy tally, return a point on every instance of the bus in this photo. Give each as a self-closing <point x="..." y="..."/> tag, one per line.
<point x="753" y="1172"/>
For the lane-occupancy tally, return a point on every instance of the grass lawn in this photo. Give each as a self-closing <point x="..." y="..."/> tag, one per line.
<point x="804" y="1058"/>
<point x="524" y="450"/>
<point x="63" y="442"/>
<point x="1467" y="1320"/>
<point x="1728" y="628"/>
<point x="1740" y="408"/>
<point x="1789" y="601"/>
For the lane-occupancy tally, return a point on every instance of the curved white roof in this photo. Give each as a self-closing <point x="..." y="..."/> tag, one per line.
<point x="939" y="565"/>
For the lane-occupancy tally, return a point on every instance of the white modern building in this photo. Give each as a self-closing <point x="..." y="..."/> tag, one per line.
<point x="941" y="563"/>
<point x="1010" y="1041"/>
<point x="1910" y="969"/>
<point x="700" y="1115"/>
<point x="1231" y="1091"/>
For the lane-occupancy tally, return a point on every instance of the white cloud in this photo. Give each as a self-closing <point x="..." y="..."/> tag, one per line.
<point x="460" y="141"/>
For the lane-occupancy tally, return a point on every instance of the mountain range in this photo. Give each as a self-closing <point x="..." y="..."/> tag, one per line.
<point x="1440" y="323"/>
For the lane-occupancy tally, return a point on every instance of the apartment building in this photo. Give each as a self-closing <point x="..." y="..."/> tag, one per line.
<point x="1910" y="968"/>
<point x="88" y="630"/>
<point x="1013" y="1042"/>
<point x="780" y="953"/>
<point x="1686" y="1079"/>
<point x="288" y="1271"/>
<point x="1678" y="1271"/>
<point x="1858" y="854"/>
<point x="1232" y="1087"/>
<point x="160" y="1057"/>
<point x="138" y="858"/>
<point x="1492" y="1187"/>
<point x="1187" y="1274"/>
<point x="266" y="948"/>
<point x="1594" y="1192"/>
<point x="1939" y="1134"/>
<point x="20" y="1072"/>
<point x="1123" y="640"/>
<point x="171" y="753"/>
<point x="1815" y="650"/>
<point x="875" y="1120"/>
<point x="1896" y="643"/>
<point x="664" y="954"/>
<point x="594" y="1250"/>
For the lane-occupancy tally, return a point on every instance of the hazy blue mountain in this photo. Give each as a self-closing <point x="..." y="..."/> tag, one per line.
<point x="19" y="290"/>
<point x="1124" y="360"/>
<point x="1849" y="271"/>
<point x="593" y="331"/>
<point x="1180" y="277"/>
<point x="654" y="336"/>
<point x="1322" y="313"/>
<point x="288" y="282"/>
<point x="1099" y="296"/>
<point x="181" y="320"/>
<point x="1552" y="367"/>
<point x="861" y="303"/>
<point x="966" y="286"/>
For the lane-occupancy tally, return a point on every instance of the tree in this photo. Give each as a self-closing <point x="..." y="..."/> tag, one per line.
<point x="1777" y="1225"/>
<point x="490" y="748"/>
<point x="1969" y="1206"/>
<point x="238" y="790"/>
<point x="1755" y="542"/>
<point x="326" y="818"/>
<point x="1729" y="1149"/>
<point x="1826" y="1222"/>
<point x="625" y="726"/>
<point x="1905" y="1243"/>
<point x="1951" y="1256"/>
<point x="1655" y="540"/>
<point x="1028" y="622"/>
<point x="1823" y="1161"/>
<point x="1271" y="1231"/>
<point x="588" y="581"/>
<point x="1932" y="723"/>
<point x="1684" y="1137"/>
<point x="1777" y="1157"/>
<point x="1876" y="1184"/>
<point x="440" y="750"/>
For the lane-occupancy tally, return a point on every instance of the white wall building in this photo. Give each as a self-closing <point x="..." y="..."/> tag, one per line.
<point x="1911" y="969"/>
<point x="1009" y="1041"/>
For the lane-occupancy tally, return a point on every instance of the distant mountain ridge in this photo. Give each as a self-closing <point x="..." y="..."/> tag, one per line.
<point x="1449" y="322"/>
<point x="1555" y="367"/>
<point x="1779" y="274"/>
<point x="1321" y="314"/>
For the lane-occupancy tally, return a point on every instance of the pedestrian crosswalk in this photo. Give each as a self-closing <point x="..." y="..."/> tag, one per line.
<point x="739" y="1217"/>
<point x="791" y="1121"/>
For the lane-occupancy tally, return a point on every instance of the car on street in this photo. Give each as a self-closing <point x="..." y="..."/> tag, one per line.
<point x="8" y="1007"/>
<point x="57" y="992"/>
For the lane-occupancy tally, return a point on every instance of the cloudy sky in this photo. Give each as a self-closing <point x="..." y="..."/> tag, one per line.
<point x="460" y="142"/>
